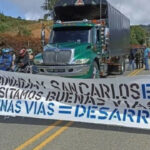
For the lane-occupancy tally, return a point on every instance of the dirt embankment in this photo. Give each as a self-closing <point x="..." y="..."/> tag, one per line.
<point x="11" y="39"/>
<point x="18" y="42"/>
<point x="36" y="30"/>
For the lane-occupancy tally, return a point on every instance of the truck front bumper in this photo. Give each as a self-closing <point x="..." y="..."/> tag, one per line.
<point x="64" y="71"/>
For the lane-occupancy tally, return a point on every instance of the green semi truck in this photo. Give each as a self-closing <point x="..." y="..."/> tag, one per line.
<point x="89" y="39"/>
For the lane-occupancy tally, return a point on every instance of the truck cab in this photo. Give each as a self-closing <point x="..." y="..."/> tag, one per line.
<point x="74" y="50"/>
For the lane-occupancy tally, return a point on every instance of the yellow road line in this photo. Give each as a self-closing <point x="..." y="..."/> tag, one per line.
<point x="132" y="73"/>
<point x="37" y="136"/>
<point x="53" y="136"/>
<point x="137" y="72"/>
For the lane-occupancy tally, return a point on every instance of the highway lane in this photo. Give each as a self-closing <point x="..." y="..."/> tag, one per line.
<point x="60" y="135"/>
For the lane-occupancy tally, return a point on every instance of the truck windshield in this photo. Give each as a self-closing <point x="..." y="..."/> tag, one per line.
<point x="61" y="35"/>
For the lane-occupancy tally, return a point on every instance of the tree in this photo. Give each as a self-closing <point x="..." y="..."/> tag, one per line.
<point x="138" y="35"/>
<point x="19" y="18"/>
<point x="49" y="6"/>
<point x="133" y="40"/>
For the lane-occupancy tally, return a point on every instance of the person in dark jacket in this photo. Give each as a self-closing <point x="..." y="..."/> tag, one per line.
<point x="142" y="58"/>
<point x="6" y="59"/>
<point x="137" y="59"/>
<point x="132" y="59"/>
<point x="22" y="61"/>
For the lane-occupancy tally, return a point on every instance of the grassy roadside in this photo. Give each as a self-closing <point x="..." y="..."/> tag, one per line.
<point x="18" y="33"/>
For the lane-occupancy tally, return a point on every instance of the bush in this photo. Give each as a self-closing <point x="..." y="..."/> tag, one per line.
<point x="23" y="31"/>
<point x="3" y="27"/>
<point x="11" y="24"/>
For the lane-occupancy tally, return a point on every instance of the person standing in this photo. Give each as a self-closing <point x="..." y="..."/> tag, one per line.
<point x="146" y="58"/>
<point x="137" y="59"/>
<point x="132" y="59"/>
<point x="142" y="57"/>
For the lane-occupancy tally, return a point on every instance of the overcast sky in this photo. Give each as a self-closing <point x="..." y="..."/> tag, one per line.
<point x="137" y="10"/>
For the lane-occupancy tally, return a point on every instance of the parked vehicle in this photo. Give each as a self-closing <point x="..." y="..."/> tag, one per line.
<point x="88" y="40"/>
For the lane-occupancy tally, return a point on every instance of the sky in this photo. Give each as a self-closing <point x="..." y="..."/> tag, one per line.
<point x="136" y="10"/>
<point x="27" y="9"/>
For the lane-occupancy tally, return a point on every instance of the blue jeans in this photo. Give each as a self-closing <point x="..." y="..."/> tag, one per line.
<point x="146" y="63"/>
<point x="131" y="64"/>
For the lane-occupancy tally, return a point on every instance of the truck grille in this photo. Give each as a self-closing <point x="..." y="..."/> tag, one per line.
<point x="60" y="57"/>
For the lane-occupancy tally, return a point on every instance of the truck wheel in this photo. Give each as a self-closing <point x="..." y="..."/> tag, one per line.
<point x="122" y="70"/>
<point x="96" y="72"/>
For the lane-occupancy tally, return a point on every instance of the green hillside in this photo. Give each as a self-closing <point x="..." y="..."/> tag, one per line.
<point x="18" y="26"/>
<point x="18" y="33"/>
<point x="9" y="24"/>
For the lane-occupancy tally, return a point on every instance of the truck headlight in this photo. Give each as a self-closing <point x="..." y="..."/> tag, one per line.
<point x="38" y="61"/>
<point x="81" y="61"/>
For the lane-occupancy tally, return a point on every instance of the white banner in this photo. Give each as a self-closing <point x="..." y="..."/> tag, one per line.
<point x="123" y="101"/>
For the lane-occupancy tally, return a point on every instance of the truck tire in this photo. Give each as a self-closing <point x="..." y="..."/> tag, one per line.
<point x="123" y="66"/>
<point x="96" y="72"/>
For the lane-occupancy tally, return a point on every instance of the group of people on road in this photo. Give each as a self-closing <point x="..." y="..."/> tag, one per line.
<point x="9" y="61"/>
<point x="138" y="58"/>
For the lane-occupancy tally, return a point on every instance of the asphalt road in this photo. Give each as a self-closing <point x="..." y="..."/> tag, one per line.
<point x="35" y="134"/>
